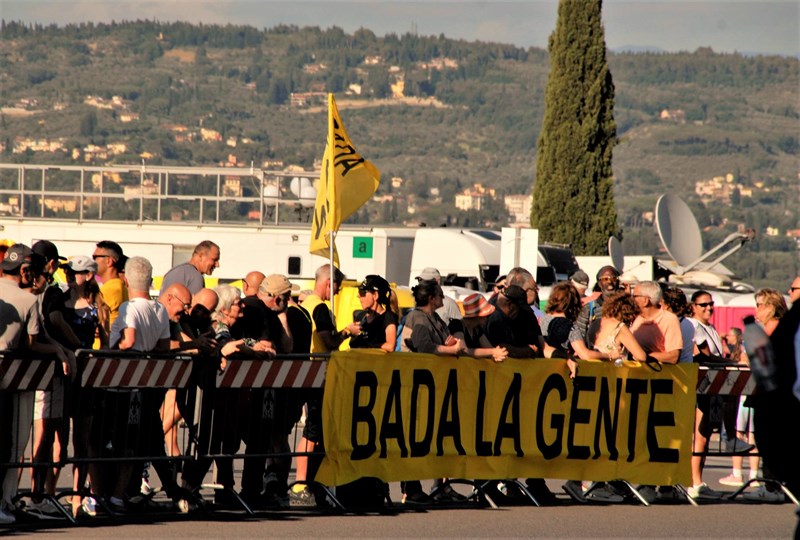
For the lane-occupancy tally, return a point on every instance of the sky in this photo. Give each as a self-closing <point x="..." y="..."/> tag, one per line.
<point x="754" y="26"/>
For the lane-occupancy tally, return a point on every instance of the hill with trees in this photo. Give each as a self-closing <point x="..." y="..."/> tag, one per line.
<point x="441" y="114"/>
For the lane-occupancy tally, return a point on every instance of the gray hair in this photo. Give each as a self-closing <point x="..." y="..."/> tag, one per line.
<point x="139" y="274"/>
<point x="324" y="272"/>
<point x="518" y="276"/>
<point x="651" y="290"/>
<point x="228" y="295"/>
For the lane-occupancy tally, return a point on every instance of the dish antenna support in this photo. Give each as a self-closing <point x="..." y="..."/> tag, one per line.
<point x="680" y="235"/>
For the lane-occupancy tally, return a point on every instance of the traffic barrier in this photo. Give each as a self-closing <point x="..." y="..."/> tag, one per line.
<point x="123" y="372"/>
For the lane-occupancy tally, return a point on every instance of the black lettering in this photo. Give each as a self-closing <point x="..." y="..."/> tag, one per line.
<point x="510" y="430"/>
<point x="659" y="418"/>
<point x="550" y="451"/>
<point x="482" y="448"/>
<point x="578" y="416"/>
<point x="320" y="220"/>
<point x="604" y="419"/>
<point x="363" y="414"/>
<point x="634" y="387"/>
<point x="389" y="429"/>
<point x="362" y="247"/>
<point x="452" y="427"/>
<point x="422" y="377"/>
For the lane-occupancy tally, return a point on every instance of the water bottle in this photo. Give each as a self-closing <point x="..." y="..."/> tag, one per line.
<point x="762" y="356"/>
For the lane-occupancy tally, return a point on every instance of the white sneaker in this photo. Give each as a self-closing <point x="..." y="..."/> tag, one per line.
<point x="703" y="492"/>
<point x="89" y="506"/>
<point x="145" y="488"/>
<point x="6" y="517"/>
<point x="44" y="510"/>
<point x="763" y="495"/>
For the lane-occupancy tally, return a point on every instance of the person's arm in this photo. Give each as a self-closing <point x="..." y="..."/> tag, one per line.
<point x="627" y="340"/>
<point x="58" y="321"/>
<point x="287" y="340"/>
<point x="66" y="357"/>
<point x="391" y="338"/>
<point x="667" y="357"/>
<point x="128" y="339"/>
<point x="584" y="353"/>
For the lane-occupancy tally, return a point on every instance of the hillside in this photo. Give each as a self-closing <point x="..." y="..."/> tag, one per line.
<point x="470" y="113"/>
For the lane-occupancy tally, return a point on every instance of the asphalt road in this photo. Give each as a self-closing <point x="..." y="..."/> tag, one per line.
<point x="711" y="520"/>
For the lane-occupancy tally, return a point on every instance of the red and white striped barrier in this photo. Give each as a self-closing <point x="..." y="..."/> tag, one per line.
<point x="272" y="374"/>
<point x="25" y="374"/>
<point x="725" y="381"/>
<point x="136" y="372"/>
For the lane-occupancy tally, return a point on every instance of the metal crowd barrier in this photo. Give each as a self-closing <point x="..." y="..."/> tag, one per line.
<point x="113" y="380"/>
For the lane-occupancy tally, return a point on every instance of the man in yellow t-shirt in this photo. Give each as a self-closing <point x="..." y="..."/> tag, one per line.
<point x="110" y="259"/>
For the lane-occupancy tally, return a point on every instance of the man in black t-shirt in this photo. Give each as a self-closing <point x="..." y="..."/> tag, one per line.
<point x="514" y="326"/>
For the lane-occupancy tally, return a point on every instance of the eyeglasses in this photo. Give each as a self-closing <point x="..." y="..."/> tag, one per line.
<point x="534" y="289"/>
<point x="609" y="278"/>
<point x="792" y="289"/>
<point x="704" y="304"/>
<point x="186" y="305"/>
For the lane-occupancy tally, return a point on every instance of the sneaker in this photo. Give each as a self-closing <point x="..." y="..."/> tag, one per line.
<point x="116" y="505"/>
<point x="763" y="495"/>
<point x="419" y="497"/>
<point x="540" y="492"/>
<point x="302" y="498"/>
<point x="6" y="517"/>
<point x="447" y="495"/>
<point x="145" y="488"/>
<point x="574" y="489"/>
<point x="703" y="493"/>
<point x="737" y="446"/>
<point x="648" y="493"/>
<point x="44" y="510"/>
<point x="732" y="481"/>
<point x="602" y="494"/>
<point x="667" y="494"/>
<point x="89" y="506"/>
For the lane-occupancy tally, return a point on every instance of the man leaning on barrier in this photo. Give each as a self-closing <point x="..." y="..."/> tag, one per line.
<point x="142" y="325"/>
<point x="19" y="327"/>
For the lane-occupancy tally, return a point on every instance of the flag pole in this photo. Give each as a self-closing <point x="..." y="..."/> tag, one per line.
<point x="330" y="182"/>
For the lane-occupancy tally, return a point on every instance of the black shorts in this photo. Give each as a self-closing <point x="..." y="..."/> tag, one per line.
<point x="313" y="428"/>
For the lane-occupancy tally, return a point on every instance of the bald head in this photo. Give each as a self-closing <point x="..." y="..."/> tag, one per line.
<point x="177" y="299"/>
<point x="206" y="298"/>
<point x="252" y="282"/>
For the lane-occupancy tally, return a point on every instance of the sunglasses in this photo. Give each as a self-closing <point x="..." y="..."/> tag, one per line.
<point x="704" y="304"/>
<point x="363" y="292"/>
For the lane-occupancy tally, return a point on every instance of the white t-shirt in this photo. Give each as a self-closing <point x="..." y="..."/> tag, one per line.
<point x="706" y="333"/>
<point x="148" y="317"/>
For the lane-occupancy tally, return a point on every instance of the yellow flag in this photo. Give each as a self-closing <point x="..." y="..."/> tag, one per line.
<point x="346" y="182"/>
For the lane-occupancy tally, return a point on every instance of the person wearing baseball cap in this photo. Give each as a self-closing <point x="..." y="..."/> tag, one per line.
<point x="375" y="326"/>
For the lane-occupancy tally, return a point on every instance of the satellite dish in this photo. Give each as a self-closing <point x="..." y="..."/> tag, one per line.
<point x="678" y="230"/>
<point x="616" y="253"/>
<point x="272" y="194"/>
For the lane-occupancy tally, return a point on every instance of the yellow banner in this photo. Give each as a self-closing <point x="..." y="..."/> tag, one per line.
<point x="405" y="416"/>
<point x="346" y="182"/>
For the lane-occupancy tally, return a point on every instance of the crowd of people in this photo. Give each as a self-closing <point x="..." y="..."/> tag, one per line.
<point x="106" y="303"/>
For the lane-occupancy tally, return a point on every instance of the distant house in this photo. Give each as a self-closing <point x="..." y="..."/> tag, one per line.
<point x="473" y="198"/>
<point x="519" y="207"/>
<point x="673" y="115"/>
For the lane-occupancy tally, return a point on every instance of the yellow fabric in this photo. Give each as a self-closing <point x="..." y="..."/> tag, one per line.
<point x="114" y="294"/>
<point x="310" y="303"/>
<point x="346" y="182"/>
<point x="517" y="419"/>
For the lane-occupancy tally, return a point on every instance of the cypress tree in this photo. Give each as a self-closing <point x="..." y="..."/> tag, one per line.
<point x="573" y="199"/>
